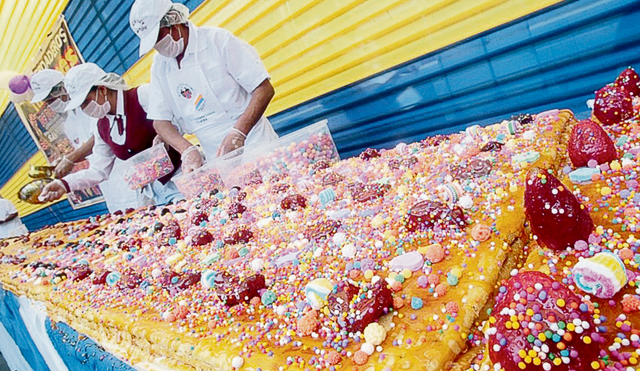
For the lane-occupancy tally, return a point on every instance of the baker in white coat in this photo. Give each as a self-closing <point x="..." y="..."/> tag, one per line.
<point x="123" y="131"/>
<point x="213" y="82"/>
<point x="48" y="87"/>
<point x="10" y="223"/>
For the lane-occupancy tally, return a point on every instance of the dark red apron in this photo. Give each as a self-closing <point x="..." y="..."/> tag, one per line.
<point x="140" y="133"/>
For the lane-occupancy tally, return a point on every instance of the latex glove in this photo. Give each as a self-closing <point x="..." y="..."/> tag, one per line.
<point x="234" y="140"/>
<point x="191" y="159"/>
<point x="63" y="167"/>
<point x="158" y="140"/>
<point x="52" y="191"/>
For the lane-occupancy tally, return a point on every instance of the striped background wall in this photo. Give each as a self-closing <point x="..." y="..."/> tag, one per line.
<point x="384" y="71"/>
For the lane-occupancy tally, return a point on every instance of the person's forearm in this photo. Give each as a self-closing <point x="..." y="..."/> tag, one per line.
<point x="170" y="135"/>
<point x="260" y="99"/>
<point x="82" y="152"/>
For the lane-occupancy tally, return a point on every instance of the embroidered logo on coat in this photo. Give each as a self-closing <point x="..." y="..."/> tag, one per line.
<point x="199" y="102"/>
<point x="185" y="91"/>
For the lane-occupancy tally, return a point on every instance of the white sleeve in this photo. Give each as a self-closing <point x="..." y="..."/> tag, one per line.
<point x="243" y="62"/>
<point x="100" y="167"/>
<point x="159" y="107"/>
<point x="6" y="209"/>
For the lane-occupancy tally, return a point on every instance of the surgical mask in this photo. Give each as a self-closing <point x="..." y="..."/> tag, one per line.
<point x="98" y="111"/>
<point x="169" y="47"/>
<point x="58" y="105"/>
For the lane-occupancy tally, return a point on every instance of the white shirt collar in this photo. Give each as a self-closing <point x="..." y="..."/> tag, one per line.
<point x="114" y="133"/>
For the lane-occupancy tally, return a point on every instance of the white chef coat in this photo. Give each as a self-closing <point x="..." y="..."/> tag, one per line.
<point x="79" y="127"/>
<point x="102" y="163"/>
<point x="211" y="88"/>
<point x="13" y="227"/>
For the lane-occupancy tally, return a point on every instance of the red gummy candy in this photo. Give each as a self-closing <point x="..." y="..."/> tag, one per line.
<point x="426" y="215"/>
<point x="232" y="291"/>
<point x="80" y="272"/>
<point x="555" y="215"/>
<point x="377" y="302"/>
<point x="130" y="279"/>
<point x="338" y="300"/>
<point x="629" y="81"/>
<point x="589" y="141"/>
<point x="172" y="230"/>
<point x="199" y="217"/>
<point x="239" y="236"/>
<point x="100" y="278"/>
<point x="613" y="105"/>
<point x="236" y="209"/>
<point x="201" y="237"/>
<point x="279" y="188"/>
<point x="293" y="202"/>
<point x="369" y="153"/>
<point x="553" y="306"/>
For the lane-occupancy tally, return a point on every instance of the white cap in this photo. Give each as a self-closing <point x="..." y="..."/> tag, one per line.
<point x="79" y="81"/>
<point x="144" y="20"/>
<point x="42" y="82"/>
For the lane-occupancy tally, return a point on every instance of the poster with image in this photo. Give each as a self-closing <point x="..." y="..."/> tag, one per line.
<point x="56" y="134"/>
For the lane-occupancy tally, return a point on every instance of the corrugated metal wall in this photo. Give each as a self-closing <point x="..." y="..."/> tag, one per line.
<point x="554" y="59"/>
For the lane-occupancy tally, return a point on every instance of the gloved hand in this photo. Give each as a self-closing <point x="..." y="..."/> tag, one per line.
<point x="52" y="191"/>
<point x="234" y="140"/>
<point x="191" y="159"/>
<point x="63" y="167"/>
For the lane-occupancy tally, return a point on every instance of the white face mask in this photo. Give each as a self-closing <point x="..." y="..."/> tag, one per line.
<point x="169" y="47"/>
<point x="98" y="111"/>
<point x="58" y="105"/>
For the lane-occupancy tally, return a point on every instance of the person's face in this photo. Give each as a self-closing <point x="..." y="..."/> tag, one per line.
<point x="171" y="30"/>
<point x="57" y="93"/>
<point x="98" y="95"/>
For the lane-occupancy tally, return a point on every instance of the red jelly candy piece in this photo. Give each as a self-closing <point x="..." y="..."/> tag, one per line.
<point x="472" y="169"/>
<point x="589" y="141"/>
<point x="201" y="237"/>
<point x="130" y="280"/>
<point x="80" y="272"/>
<point x="293" y="202"/>
<point x="338" y="301"/>
<point x="187" y="280"/>
<point x="554" y="306"/>
<point x="369" y="153"/>
<point x="236" y="209"/>
<point x="555" y="215"/>
<point x="376" y="303"/>
<point x="426" y="215"/>
<point x="239" y="236"/>
<point x="199" y="217"/>
<point x="629" y="81"/>
<point x="172" y="230"/>
<point x="232" y="291"/>
<point x="100" y="278"/>
<point x="613" y="105"/>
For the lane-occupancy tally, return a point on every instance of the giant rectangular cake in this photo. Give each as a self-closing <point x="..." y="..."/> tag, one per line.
<point x="411" y="258"/>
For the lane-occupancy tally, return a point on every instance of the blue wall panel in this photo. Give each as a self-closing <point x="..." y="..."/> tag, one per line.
<point x="16" y="145"/>
<point x="555" y="58"/>
<point x="101" y="31"/>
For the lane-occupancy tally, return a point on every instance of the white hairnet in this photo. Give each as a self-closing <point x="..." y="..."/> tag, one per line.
<point x="177" y="14"/>
<point x="113" y="81"/>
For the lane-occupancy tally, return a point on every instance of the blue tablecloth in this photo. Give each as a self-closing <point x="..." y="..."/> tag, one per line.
<point x="78" y="352"/>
